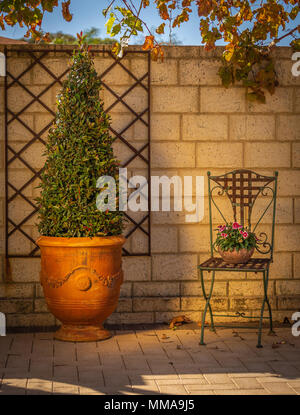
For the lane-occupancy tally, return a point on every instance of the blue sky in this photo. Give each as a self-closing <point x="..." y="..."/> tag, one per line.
<point x="88" y="13"/>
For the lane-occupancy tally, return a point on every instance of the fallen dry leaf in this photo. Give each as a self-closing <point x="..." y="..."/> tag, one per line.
<point x="275" y="346"/>
<point x="278" y="343"/>
<point x="178" y="321"/>
<point x="200" y="324"/>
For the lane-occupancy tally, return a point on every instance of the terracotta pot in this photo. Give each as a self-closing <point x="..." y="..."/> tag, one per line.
<point x="81" y="279"/>
<point x="236" y="257"/>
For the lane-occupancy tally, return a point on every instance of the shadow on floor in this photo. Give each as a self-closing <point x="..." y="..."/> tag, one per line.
<point x="151" y="360"/>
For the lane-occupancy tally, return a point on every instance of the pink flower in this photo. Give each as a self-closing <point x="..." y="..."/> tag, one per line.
<point x="245" y="235"/>
<point x="221" y="228"/>
<point x="236" y="225"/>
<point x="224" y="235"/>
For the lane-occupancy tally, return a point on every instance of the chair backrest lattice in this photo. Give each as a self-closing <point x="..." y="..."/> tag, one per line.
<point x="243" y="189"/>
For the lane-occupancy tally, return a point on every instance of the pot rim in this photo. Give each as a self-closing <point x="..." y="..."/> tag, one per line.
<point x="72" y="242"/>
<point x="234" y="250"/>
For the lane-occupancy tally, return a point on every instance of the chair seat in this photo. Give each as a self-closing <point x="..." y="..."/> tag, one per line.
<point x="254" y="265"/>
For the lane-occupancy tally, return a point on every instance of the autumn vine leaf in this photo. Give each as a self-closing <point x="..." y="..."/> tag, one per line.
<point x="66" y="11"/>
<point x="161" y="29"/>
<point x="148" y="43"/>
<point x="2" y="23"/>
<point x="249" y="29"/>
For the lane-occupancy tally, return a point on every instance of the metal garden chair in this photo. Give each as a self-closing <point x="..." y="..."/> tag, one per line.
<point x="243" y="188"/>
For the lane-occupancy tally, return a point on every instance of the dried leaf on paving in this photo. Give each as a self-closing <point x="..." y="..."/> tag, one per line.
<point x="178" y="321"/>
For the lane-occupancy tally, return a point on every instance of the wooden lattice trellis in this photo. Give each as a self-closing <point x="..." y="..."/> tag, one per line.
<point x="15" y="191"/>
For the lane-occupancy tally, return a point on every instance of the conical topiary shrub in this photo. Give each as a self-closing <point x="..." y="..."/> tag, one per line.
<point x="81" y="246"/>
<point x="78" y="152"/>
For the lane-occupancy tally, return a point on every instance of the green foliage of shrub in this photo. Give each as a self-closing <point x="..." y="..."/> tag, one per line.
<point x="79" y="151"/>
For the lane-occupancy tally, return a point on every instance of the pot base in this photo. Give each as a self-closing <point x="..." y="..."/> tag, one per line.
<point x="72" y="333"/>
<point x="236" y="257"/>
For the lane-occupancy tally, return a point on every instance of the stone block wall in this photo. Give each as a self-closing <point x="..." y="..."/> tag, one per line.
<point x="196" y="125"/>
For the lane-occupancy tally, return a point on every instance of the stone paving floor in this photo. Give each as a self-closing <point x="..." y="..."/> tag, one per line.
<point x="152" y="361"/>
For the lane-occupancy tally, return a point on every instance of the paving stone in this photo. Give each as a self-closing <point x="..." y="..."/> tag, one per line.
<point x="11" y="382"/>
<point x="90" y="390"/>
<point x="240" y="349"/>
<point x="109" y="347"/>
<point x="204" y="359"/>
<point x="112" y="390"/>
<point x="15" y="373"/>
<point x="144" y="378"/>
<point x="65" y="356"/>
<point x="17" y="361"/>
<point x="247" y="374"/>
<point x="227" y="360"/>
<point x="279" y="388"/>
<point x="247" y="383"/>
<point x="86" y="347"/>
<point x="215" y="387"/>
<point x="5" y="343"/>
<point x="39" y="386"/>
<point x="241" y="392"/>
<point x="150" y="362"/>
<point x="90" y="377"/>
<point x="43" y="371"/>
<point x="112" y="361"/>
<point x="185" y="381"/>
<point x="284" y="369"/>
<point x="12" y="390"/>
<point x="180" y="356"/>
<point x="114" y="377"/>
<point x="3" y="359"/>
<point x="43" y="346"/>
<point x="290" y="355"/>
<point x="173" y="389"/>
<point x="65" y="373"/>
<point x="217" y="378"/>
<point x="188" y="372"/>
<point x="66" y="391"/>
<point x="135" y="363"/>
<point x="261" y="367"/>
<point x="82" y="354"/>
<point x="214" y="369"/>
<point x="154" y="351"/>
<point x="138" y="372"/>
<point x="150" y="389"/>
<point x="161" y="367"/>
<point x="272" y="379"/>
<point x="294" y="383"/>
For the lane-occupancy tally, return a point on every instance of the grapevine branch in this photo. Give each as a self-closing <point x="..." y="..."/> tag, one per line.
<point x="275" y="41"/>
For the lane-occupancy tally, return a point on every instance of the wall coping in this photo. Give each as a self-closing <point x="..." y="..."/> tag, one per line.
<point x="180" y="51"/>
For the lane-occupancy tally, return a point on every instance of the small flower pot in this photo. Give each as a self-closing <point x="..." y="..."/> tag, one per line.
<point x="236" y="257"/>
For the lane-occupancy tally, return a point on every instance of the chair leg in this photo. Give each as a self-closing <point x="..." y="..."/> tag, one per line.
<point x="207" y="305"/>
<point x="259" y="345"/>
<point x="265" y="300"/>
<point x="271" y="331"/>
